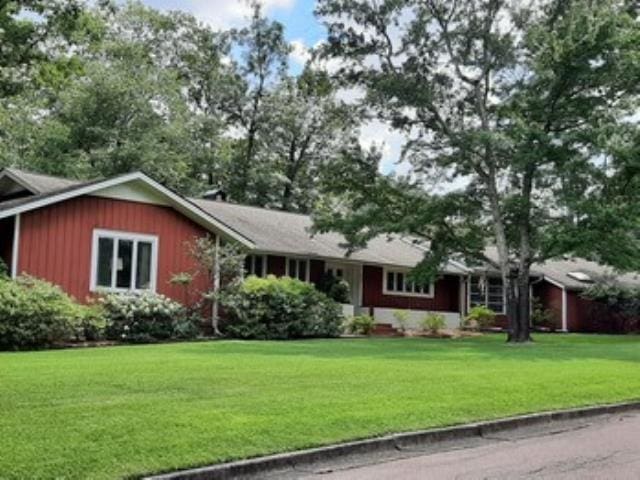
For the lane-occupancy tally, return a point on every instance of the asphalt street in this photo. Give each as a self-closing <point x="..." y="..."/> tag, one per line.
<point x="606" y="447"/>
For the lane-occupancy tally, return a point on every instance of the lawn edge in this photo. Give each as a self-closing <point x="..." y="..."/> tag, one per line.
<point x="396" y="441"/>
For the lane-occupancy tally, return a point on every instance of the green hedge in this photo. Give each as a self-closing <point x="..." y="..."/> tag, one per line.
<point x="279" y="308"/>
<point x="34" y="314"/>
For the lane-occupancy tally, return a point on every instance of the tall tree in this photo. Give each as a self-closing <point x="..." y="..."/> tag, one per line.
<point x="263" y="61"/>
<point x="307" y="125"/>
<point x="524" y="108"/>
<point x="125" y="108"/>
<point x="25" y="27"/>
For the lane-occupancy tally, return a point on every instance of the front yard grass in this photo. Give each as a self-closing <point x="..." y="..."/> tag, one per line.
<point x="126" y="411"/>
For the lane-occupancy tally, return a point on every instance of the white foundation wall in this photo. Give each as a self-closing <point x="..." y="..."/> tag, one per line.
<point x="385" y="315"/>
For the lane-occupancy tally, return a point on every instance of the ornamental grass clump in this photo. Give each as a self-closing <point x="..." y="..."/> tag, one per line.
<point x="146" y="317"/>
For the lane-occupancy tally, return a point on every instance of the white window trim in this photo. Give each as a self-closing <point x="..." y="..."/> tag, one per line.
<point x="120" y="235"/>
<point x="385" y="291"/>
<point x="307" y="270"/>
<point x="253" y="256"/>
<point x="486" y="294"/>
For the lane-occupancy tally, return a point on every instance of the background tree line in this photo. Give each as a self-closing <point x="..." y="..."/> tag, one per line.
<point x="99" y="90"/>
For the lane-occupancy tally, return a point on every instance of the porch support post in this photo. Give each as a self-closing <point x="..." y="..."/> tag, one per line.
<point x="216" y="288"/>
<point x="462" y="297"/>
<point x="16" y="246"/>
<point x="564" y="310"/>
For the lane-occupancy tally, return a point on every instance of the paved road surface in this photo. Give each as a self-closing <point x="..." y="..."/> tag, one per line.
<point x="605" y="448"/>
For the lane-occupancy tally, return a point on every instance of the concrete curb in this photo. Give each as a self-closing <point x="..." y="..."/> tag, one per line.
<point x="261" y="465"/>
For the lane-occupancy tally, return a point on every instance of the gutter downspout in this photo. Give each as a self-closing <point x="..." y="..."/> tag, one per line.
<point x="216" y="289"/>
<point x="16" y="246"/>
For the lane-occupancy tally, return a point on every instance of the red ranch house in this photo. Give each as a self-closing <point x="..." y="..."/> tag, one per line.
<point x="131" y="233"/>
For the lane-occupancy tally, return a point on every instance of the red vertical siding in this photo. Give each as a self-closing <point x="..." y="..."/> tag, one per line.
<point x="446" y="296"/>
<point x="6" y="240"/>
<point x="550" y="297"/>
<point x="276" y="266"/>
<point x="56" y="241"/>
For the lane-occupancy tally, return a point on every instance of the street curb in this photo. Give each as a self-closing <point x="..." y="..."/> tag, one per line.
<point x="253" y="466"/>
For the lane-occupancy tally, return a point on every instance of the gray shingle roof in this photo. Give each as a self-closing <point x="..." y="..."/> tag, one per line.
<point x="9" y="204"/>
<point x="559" y="271"/>
<point x="280" y="232"/>
<point x="39" y="183"/>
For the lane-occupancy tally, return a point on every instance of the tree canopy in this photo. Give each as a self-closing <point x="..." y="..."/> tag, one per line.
<point x="163" y="93"/>
<point x="526" y="114"/>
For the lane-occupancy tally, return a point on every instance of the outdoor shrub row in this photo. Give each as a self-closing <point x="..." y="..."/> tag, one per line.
<point x="279" y="308"/>
<point x="35" y="314"/>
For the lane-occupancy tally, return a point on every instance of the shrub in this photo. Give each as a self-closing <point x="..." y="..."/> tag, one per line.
<point x="4" y="270"/>
<point x="361" y="324"/>
<point x="279" y="308"/>
<point x="540" y="316"/>
<point x="145" y="317"/>
<point x="433" y="322"/>
<point x="90" y="323"/>
<point x="479" y="317"/>
<point x="34" y="313"/>
<point x="402" y="318"/>
<point x="334" y="288"/>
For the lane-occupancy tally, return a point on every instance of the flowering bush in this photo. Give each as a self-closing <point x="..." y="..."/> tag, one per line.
<point x="145" y="317"/>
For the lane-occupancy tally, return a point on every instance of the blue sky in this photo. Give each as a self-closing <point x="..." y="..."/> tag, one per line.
<point x="296" y="15"/>
<point x="303" y="30"/>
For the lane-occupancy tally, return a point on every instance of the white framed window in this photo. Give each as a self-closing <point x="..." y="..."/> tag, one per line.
<point x="298" y="268"/>
<point x="396" y="282"/>
<point x="255" y="265"/>
<point x="487" y="291"/>
<point x="122" y="261"/>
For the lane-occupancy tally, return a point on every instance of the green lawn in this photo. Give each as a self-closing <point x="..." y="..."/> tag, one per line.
<point x="124" y="411"/>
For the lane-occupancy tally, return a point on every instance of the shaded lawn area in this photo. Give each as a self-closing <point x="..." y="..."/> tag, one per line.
<point x="125" y="411"/>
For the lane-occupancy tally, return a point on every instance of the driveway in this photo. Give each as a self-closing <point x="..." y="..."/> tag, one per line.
<point x="606" y="447"/>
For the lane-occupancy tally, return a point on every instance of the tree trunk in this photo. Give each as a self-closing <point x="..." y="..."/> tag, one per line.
<point x="518" y="307"/>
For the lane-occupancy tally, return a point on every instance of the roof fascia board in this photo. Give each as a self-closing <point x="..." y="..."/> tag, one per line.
<point x="348" y="261"/>
<point x="186" y="206"/>
<point x="554" y="282"/>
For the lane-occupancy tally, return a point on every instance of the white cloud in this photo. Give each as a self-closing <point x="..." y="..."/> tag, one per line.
<point x="389" y="142"/>
<point x="224" y="14"/>
<point x="300" y="54"/>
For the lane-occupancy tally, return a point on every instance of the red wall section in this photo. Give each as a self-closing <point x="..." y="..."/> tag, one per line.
<point x="6" y="241"/>
<point x="56" y="241"/>
<point x="585" y="315"/>
<point x="446" y="298"/>
<point x="550" y="297"/>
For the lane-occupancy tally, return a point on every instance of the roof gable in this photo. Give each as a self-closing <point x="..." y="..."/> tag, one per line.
<point x="129" y="182"/>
